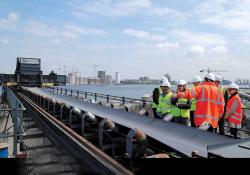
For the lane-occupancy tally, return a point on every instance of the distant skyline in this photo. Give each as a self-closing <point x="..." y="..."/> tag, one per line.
<point x="133" y="37"/>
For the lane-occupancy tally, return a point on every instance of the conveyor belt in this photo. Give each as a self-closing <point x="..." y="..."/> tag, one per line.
<point x="184" y="139"/>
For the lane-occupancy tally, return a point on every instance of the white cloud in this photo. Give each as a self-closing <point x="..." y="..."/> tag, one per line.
<point x="109" y="7"/>
<point x="5" y="41"/>
<point x="9" y="21"/>
<point x="196" y="51"/>
<point x="120" y="8"/>
<point x="143" y="35"/>
<point x="85" y="30"/>
<point x="12" y="17"/>
<point x="220" y="49"/>
<point x="232" y="15"/>
<point x="203" y="39"/>
<point x="40" y="29"/>
<point x="168" y="45"/>
<point x="168" y="12"/>
<point x="56" y="40"/>
<point x="68" y="31"/>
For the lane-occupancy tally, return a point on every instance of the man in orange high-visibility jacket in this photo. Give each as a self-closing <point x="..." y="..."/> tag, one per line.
<point x="209" y="105"/>
<point x="234" y="110"/>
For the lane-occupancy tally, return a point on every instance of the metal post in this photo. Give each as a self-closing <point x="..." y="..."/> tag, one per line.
<point x="86" y="95"/>
<point x="107" y="98"/>
<point x="95" y="97"/>
<point x="144" y="103"/>
<point x="77" y="94"/>
<point x="129" y="143"/>
<point x="15" y="130"/>
<point x="61" y="90"/>
<point x="66" y="92"/>
<point x="71" y="93"/>
<point x="123" y="100"/>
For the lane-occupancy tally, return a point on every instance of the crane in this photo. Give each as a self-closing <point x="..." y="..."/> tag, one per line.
<point x="208" y="70"/>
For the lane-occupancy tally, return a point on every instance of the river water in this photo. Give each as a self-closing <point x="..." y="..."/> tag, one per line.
<point x="129" y="91"/>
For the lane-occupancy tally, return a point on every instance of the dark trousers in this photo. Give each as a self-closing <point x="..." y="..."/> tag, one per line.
<point x="192" y="118"/>
<point x="221" y="124"/>
<point x="211" y="129"/>
<point x="234" y="132"/>
<point x="155" y="113"/>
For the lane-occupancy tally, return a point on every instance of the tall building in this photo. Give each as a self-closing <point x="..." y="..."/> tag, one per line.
<point x="108" y="79"/>
<point x="72" y="79"/>
<point x="117" y="78"/>
<point x="101" y="75"/>
<point x="93" y="80"/>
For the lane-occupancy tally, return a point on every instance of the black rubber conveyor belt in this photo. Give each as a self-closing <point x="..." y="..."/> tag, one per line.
<point x="182" y="138"/>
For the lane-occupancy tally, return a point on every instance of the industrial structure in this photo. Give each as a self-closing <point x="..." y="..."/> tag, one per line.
<point x="28" y="73"/>
<point x="75" y="132"/>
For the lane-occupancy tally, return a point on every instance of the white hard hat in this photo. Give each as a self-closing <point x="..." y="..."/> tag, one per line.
<point x="182" y="82"/>
<point x="233" y="86"/>
<point x="165" y="83"/>
<point x="196" y="79"/>
<point x="218" y="78"/>
<point x="210" y="76"/>
<point x="163" y="79"/>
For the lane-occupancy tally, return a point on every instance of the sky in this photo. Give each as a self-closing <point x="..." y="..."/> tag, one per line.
<point x="133" y="37"/>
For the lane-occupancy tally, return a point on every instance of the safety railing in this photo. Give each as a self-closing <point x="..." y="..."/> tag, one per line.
<point x="16" y="109"/>
<point x="97" y="96"/>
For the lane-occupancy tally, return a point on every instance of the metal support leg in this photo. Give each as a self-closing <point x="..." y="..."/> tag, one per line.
<point x="54" y="108"/>
<point x="70" y="117"/>
<point x="48" y="105"/>
<point x="100" y="132"/>
<point x="15" y="132"/>
<point x="61" y="111"/>
<point x="82" y="122"/>
<point x="40" y="101"/>
<point x="129" y="143"/>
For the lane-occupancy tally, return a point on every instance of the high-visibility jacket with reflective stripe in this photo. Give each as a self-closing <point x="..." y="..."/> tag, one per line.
<point x="193" y="105"/>
<point x="209" y="105"/>
<point x="177" y="112"/>
<point x="237" y="115"/>
<point x="164" y="103"/>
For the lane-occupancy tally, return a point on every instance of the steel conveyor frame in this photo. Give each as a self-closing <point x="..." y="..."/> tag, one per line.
<point x="92" y="160"/>
<point x="184" y="139"/>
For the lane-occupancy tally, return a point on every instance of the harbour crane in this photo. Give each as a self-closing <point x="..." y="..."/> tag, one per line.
<point x="208" y="70"/>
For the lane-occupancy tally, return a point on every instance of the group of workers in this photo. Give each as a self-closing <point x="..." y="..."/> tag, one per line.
<point x="206" y="106"/>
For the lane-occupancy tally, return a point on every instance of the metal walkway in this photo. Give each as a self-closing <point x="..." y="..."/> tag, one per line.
<point x="184" y="139"/>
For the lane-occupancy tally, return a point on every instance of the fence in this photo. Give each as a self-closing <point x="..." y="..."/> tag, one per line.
<point x="96" y="96"/>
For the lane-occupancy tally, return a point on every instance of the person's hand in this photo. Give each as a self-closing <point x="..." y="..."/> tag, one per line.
<point x="175" y="95"/>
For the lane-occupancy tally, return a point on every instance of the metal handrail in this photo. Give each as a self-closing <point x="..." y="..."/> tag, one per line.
<point x="96" y="95"/>
<point x="16" y="109"/>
